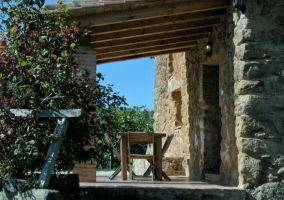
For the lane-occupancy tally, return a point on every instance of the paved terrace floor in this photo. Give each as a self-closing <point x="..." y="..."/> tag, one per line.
<point x="179" y="187"/>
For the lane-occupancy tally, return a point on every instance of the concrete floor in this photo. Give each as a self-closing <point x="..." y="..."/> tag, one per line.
<point x="176" y="182"/>
<point x="179" y="187"/>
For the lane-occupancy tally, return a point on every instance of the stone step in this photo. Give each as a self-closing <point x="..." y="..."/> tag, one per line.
<point x="180" y="187"/>
<point x="161" y="193"/>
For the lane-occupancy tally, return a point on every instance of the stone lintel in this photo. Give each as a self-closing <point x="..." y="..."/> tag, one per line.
<point x="47" y="113"/>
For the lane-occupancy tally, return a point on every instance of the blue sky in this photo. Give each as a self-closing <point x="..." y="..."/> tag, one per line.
<point x="133" y="79"/>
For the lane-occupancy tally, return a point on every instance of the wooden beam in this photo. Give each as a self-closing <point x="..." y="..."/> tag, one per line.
<point x="145" y="50"/>
<point x="148" y="44"/>
<point x="165" y="20"/>
<point x="163" y="8"/>
<point x="158" y="53"/>
<point x="165" y="35"/>
<point x="157" y="30"/>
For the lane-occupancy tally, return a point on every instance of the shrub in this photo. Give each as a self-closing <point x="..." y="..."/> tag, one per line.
<point x="38" y="71"/>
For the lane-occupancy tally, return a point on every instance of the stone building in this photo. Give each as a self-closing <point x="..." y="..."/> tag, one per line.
<point x="225" y="108"/>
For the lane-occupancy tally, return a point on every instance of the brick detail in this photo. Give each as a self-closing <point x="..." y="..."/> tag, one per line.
<point x="87" y="57"/>
<point x="87" y="171"/>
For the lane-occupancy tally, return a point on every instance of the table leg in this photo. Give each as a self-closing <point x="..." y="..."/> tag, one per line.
<point x="158" y="158"/>
<point x="123" y="158"/>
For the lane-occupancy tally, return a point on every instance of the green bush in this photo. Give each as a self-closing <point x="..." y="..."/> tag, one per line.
<point x="38" y="71"/>
<point x="136" y="118"/>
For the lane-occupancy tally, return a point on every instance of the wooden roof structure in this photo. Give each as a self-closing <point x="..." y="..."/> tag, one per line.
<point x="129" y="29"/>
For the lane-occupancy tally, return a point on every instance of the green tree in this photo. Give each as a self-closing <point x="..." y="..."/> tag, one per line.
<point x="137" y="119"/>
<point x="38" y="71"/>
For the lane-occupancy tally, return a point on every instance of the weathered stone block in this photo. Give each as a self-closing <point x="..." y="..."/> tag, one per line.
<point x="258" y="104"/>
<point x="265" y="126"/>
<point x="251" y="145"/>
<point x="248" y="87"/>
<point x="254" y="145"/>
<point x="257" y="23"/>
<point x="41" y="194"/>
<point x="259" y="69"/>
<point x="257" y="50"/>
<point x="242" y="36"/>
<point x="280" y="173"/>
<point x="15" y="185"/>
<point x="278" y="161"/>
<point x="268" y="191"/>
<point x="172" y="166"/>
<point x="246" y="125"/>
<point x="249" y="70"/>
<point x="250" y="170"/>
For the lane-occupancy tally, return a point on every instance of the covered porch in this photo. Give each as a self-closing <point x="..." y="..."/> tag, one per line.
<point x="224" y="108"/>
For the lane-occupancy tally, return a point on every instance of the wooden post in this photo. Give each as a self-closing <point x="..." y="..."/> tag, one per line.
<point x="123" y="142"/>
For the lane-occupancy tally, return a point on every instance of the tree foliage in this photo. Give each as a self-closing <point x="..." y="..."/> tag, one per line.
<point x="38" y="71"/>
<point x="136" y="119"/>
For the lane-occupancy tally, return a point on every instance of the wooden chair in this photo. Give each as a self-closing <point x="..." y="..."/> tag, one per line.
<point x="140" y="138"/>
<point x="117" y="155"/>
<point x="164" y="150"/>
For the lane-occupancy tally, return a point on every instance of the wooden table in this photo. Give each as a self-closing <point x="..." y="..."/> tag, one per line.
<point x="123" y="152"/>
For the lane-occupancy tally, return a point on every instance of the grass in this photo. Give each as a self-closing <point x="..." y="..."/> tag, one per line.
<point x="105" y="169"/>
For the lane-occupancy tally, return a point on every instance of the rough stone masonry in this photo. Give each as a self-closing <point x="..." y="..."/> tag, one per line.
<point x="237" y="134"/>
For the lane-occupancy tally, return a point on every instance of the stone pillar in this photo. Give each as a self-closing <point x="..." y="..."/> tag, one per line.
<point x="87" y="171"/>
<point x="259" y="96"/>
<point x="87" y="57"/>
<point x="199" y="128"/>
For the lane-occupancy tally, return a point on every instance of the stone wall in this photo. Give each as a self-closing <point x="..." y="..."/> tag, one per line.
<point x="208" y="132"/>
<point x="171" y="112"/>
<point x="224" y="51"/>
<point x="249" y="49"/>
<point x="206" y="136"/>
<point x="259" y="87"/>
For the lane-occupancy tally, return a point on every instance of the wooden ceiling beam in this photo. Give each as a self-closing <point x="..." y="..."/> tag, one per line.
<point x="147" y="44"/>
<point x="158" y="53"/>
<point x="116" y="43"/>
<point x="165" y="20"/>
<point x="148" y="50"/>
<point x="152" y="28"/>
<point x="161" y="8"/>
<point x="157" y="30"/>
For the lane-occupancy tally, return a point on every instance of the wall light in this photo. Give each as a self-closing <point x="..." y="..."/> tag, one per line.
<point x="208" y="48"/>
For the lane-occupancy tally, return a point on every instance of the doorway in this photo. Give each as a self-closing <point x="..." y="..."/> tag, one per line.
<point x="212" y="120"/>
